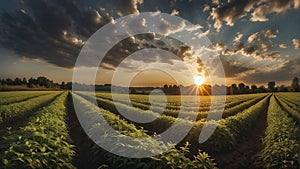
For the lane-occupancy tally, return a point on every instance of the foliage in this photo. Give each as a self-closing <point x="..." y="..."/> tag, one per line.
<point x="173" y="158"/>
<point x="10" y="112"/>
<point x="290" y="108"/>
<point x="14" y="97"/>
<point x="281" y="146"/>
<point x="42" y="143"/>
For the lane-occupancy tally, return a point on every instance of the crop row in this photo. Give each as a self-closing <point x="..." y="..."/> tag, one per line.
<point x="173" y="158"/>
<point x="227" y="134"/>
<point x="159" y="107"/>
<point x="174" y="102"/>
<point x="229" y="130"/>
<point x="281" y="146"/>
<point x="9" y="113"/>
<point x="161" y="123"/>
<point x="293" y="97"/>
<point x="290" y="102"/>
<point x="5" y="95"/>
<point x="188" y="114"/>
<point x="294" y="113"/>
<point x="21" y="97"/>
<point x="43" y="142"/>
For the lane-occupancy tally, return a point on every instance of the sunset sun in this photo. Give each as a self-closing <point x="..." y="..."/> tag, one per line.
<point x="199" y="80"/>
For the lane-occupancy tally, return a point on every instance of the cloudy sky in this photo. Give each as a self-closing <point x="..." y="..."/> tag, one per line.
<point x="257" y="40"/>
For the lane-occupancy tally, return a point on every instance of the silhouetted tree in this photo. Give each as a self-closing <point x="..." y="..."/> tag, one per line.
<point x="283" y="88"/>
<point x="8" y="81"/>
<point x="241" y="88"/>
<point x="247" y="90"/>
<point x="295" y="85"/>
<point x="17" y="81"/>
<point x="69" y="85"/>
<point x="271" y="86"/>
<point x="261" y="89"/>
<point x="133" y="91"/>
<point x="63" y="85"/>
<point x="24" y="81"/>
<point x="234" y="89"/>
<point x="253" y="88"/>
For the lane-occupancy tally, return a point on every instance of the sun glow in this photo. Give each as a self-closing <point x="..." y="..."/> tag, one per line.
<point x="199" y="80"/>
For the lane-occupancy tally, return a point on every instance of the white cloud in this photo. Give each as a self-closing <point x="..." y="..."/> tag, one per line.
<point x="296" y="43"/>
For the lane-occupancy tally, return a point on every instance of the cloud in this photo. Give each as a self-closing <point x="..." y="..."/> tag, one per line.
<point x="55" y="31"/>
<point x="258" y="45"/>
<point x="296" y="43"/>
<point x="282" y="46"/>
<point x="217" y="2"/>
<point x="260" y="36"/>
<point x="127" y="6"/>
<point x="174" y="12"/>
<point x="285" y="71"/>
<point x="232" y="69"/>
<point x="272" y="6"/>
<point x="235" y="9"/>
<point x="238" y="37"/>
<point x="206" y="8"/>
<point x="259" y="9"/>
<point x="248" y="55"/>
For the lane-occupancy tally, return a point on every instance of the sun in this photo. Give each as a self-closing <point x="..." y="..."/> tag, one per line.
<point x="199" y="80"/>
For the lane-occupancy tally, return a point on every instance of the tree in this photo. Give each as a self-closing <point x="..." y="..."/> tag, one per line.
<point x="233" y="89"/>
<point x="247" y="90"/>
<point x="262" y="89"/>
<point x="63" y="85"/>
<point x="295" y="85"/>
<point x="8" y="81"/>
<point x="133" y="91"/>
<point x="283" y="88"/>
<point x="30" y="82"/>
<point x="253" y="88"/>
<point x="24" y="81"/>
<point x="241" y="88"/>
<point x="271" y="86"/>
<point x="17" y="81"/>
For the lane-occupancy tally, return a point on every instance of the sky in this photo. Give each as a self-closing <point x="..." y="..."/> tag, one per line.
<point x="257" y="41"/>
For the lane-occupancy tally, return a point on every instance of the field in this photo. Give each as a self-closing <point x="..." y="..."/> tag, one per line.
<point x="40" y="129"/>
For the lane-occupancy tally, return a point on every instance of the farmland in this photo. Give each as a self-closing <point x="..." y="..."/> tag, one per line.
<point x="42" y="130"/>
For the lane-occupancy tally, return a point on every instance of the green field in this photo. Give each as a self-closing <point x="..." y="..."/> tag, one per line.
<point x="40" y="129"/>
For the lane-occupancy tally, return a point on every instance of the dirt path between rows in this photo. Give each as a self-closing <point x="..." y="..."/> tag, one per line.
<point x="78" y="136"/>
<point x="84" y="158"/>
<point x="246" y="153"/>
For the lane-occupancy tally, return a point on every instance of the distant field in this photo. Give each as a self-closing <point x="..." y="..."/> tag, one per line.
<point x="40" y="129"/>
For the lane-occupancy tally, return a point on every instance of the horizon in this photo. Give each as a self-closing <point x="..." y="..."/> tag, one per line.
<point x="159" y="86"/>
<point x="254" y="47"/>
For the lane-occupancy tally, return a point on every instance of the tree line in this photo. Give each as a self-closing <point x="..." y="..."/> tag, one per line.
<point x="241" y="88"/>
<point x="39" y="82"/>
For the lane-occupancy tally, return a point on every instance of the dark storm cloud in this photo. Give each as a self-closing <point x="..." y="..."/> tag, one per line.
<point x="232" y="70"/>
<point x="122" y="7"/>
<point x="237" y="9"/>
<point x="143" y="41"/>
<point x="55" y="31"/>
<point x="48" y="31"/>
<point x="285" y="73"/>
